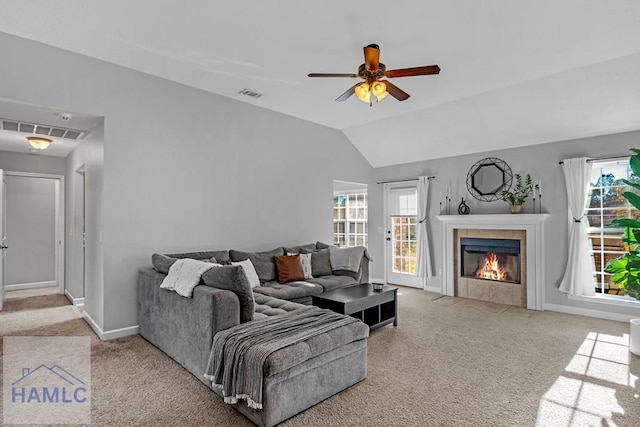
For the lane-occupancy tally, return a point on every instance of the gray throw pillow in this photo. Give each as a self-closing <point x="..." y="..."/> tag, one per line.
<point x="233" y="278"/>
<point x="162" y="263"/>
<point x="263" y="262"/>
<point x="320" y="263"/>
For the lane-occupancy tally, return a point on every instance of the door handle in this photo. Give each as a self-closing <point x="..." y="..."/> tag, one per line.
<point x="4" y="247"/>
<point x="388" y="239"/>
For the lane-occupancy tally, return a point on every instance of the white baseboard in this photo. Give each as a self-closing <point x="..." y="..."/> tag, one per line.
<point x="109" y="335"/>
<point x="34" y="285"/>
<point x="74" y="301"/>
<point x="431" y="288"/>
<point x="434" y="288"/>
<point x="588" y="312"/>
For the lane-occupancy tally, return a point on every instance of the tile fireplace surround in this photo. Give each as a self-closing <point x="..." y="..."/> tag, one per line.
<point x="529" y="228"/>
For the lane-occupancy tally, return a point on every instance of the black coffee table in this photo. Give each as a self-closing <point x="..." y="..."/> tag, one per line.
<point x="375" y="308"/>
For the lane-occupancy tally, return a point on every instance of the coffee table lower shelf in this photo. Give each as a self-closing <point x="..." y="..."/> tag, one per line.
<point x="375" y="308"/>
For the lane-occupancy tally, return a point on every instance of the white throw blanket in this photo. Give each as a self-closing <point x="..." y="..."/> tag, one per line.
<point x="184" y="275"/>
<point x="346" y="258"/>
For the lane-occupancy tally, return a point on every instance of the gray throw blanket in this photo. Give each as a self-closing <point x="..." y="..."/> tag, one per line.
<point x="348" y="258"/>
<point x="236" y="363"/>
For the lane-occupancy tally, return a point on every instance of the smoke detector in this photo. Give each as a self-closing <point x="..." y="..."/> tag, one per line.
<point x="65" y="116"/>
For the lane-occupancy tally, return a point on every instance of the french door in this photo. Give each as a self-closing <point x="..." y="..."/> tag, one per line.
<point x="401" y="238"/>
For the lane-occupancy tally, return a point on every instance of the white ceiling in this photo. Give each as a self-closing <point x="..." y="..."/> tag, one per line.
<point x="513" y="73"/>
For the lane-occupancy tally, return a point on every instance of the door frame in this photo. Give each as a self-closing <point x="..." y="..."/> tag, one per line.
<point x="3" y="235"/>
<point x="81" y="171"/>
<point x="412" y="281"/>
<point x="59" y="221"/>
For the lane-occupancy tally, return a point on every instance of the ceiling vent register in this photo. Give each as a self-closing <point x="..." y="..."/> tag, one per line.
<point x="251" y="93"/>
<point x="36" y="129"/>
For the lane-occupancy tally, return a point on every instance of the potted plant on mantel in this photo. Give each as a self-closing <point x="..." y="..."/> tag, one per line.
<point x="517" y="195"/>
<point x="626" y="269"/>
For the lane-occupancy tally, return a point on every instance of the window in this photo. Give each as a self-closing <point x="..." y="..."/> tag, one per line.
<point x="605" y="203"/>
<point x="350" y="219"/>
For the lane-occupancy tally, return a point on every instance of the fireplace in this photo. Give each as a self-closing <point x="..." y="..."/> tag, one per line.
<point x="490" y="259"/>
<point x="527" y="228"/>
<point x="491" y="265"/>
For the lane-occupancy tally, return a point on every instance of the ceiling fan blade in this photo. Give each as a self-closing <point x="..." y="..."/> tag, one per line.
<point x="372" y="57"/>
<point x="395" y="91"/>
<point x="414" y="71"/>
<point x="331" y="75"/>
<point x="347" y="94"/>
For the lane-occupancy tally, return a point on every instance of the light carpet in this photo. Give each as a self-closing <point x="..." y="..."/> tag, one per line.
<point x="450" y="362"/>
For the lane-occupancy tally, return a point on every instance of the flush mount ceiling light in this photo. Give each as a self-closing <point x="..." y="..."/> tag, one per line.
<point x="38" y="142"/>
<point x="371" y="72"/>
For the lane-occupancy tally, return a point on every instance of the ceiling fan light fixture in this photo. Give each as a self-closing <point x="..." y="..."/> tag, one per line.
<point x="371" y="71"/>
<point x="379" y="89"/>
<point x="363" y="92"/>
<point x="38" y="142"/>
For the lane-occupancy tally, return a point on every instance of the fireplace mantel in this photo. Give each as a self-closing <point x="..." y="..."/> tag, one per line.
<point x="532" y="224"/>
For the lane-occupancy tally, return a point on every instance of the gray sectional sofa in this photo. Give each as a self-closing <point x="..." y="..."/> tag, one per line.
<point x="296" y="377"/>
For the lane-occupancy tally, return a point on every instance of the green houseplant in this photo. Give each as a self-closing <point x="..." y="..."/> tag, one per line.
<point x="517" y="195"/>
<point x="626" y="269"/>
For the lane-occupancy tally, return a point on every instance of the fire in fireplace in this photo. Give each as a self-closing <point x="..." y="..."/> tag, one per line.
<point x="490" y="259"/>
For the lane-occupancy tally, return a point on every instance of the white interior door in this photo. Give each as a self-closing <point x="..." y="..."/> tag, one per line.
<point x="402" y="234"/>
<point x="3" y="234"/>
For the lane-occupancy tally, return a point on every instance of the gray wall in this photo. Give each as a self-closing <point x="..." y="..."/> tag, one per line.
<point x="541" y="161"/>
<point x="183" y="169"/>
<point x="30" y="230"/>
<point x="88" y="156"/>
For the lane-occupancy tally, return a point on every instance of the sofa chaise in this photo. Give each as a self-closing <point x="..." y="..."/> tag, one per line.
<point x="295" y="377"/>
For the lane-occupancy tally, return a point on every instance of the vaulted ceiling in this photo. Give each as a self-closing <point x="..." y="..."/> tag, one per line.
<point x="513" y="73"/>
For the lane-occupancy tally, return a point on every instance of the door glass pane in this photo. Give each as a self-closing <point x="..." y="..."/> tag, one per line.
<point x="404" y="245"/>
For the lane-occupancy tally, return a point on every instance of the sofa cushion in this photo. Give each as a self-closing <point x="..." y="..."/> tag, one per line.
<point x="249" y="271"/>
<point x="321" y="245"/>
<point x="162" y="263"/>
<point x="289" y="268"/>
<point x="320" y="262"/>
<point x="202" y="255"/>
<point x="233" y="278"/>
<point x="289" y="291"/>
<point x="296" y="354"/>
<point x="222" y="257"/>
<point x="310" y="247"/>
<point x="266" y="306"/>
<point x="332" y="282"/>
<point x="353" y="274"/>
<point x="263" y="262"/>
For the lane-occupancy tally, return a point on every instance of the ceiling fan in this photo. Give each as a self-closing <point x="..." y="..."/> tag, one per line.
<point x="371" y="72"/>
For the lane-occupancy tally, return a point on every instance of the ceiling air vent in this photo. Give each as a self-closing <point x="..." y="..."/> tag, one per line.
<point x="33" y="128"/>
<point x="251" y="93"/>
<point x="12" y="126"/>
